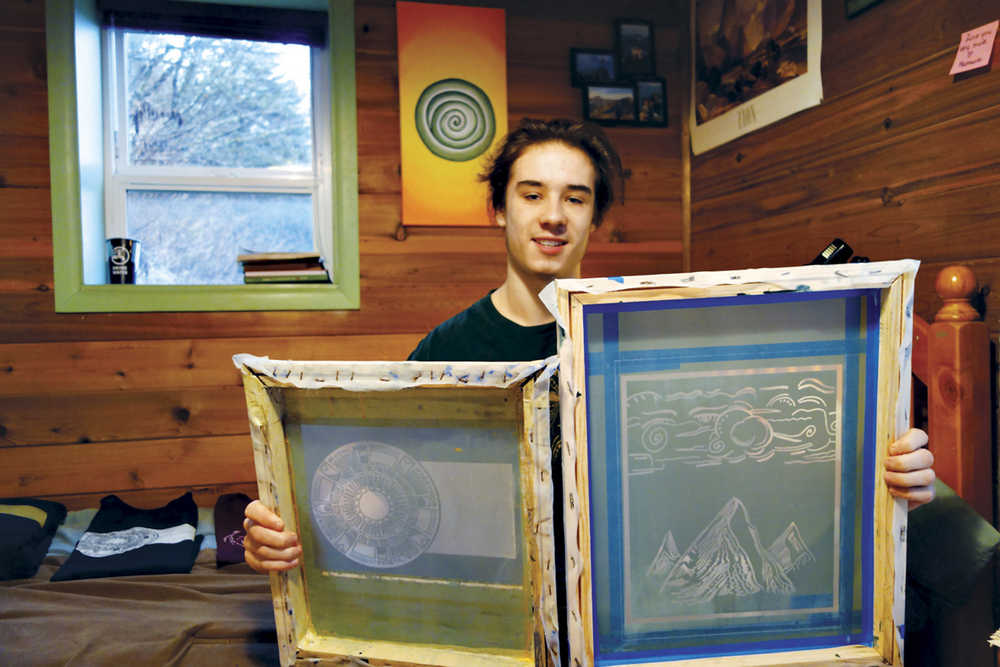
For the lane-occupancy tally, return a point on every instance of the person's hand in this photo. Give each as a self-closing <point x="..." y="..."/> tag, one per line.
<point x="908" y="472"/>
<point x="268" y="547"/>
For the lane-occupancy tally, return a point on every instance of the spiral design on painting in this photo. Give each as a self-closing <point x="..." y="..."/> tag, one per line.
<point x="455" y="119"/>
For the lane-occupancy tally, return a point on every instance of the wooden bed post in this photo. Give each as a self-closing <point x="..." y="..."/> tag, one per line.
<point x="959" y="391"/>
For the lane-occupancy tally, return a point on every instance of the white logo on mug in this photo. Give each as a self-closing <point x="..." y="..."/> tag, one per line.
<point x="119" y="255"/>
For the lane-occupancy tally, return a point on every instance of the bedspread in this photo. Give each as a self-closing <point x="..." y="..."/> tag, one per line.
<point x="208" y="617"/>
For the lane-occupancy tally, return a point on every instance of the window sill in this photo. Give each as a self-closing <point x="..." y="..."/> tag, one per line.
<point x="160" y="298"/>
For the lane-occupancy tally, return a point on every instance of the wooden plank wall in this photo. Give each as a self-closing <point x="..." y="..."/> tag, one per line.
<point x="148" y="405"/>
<point x="900" y="160"/>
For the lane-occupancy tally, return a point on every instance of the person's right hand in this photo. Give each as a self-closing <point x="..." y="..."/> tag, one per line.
<point x="267" y="546"/>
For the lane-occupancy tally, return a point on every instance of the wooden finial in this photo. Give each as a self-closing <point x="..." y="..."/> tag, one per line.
<point x="956" y="286"/>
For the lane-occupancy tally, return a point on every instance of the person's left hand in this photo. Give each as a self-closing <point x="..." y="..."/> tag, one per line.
<point x="908" y="472"/>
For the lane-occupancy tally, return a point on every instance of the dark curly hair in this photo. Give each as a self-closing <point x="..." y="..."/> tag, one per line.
<point x="585" y="136"/>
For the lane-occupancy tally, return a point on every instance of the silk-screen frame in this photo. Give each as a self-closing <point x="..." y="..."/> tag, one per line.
<point x="602" y="331"/>
<point x="458" y="445"/>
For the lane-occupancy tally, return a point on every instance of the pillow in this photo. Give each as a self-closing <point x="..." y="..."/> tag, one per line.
<point x="123" y="540"/>
<point x="26" y="529"/>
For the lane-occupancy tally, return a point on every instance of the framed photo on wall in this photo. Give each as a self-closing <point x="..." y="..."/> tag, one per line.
<point x="609" y="104"/>
<point x="592" y="66"/>
<point x="651" y="101"/>
<point x="726" y="434"/>
<point x="635" y="48"/>
<point x="421" y="493"/>
<point x="769" y="72"/>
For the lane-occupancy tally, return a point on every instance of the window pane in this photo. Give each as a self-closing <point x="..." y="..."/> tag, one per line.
<point x="216" y="102"/>
<point x="193" y="238"/>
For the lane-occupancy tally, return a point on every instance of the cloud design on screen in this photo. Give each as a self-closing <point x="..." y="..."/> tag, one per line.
<point x="709" y="427"/>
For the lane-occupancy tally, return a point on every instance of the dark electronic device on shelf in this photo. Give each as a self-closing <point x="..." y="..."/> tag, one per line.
<point x="837" y="252"/>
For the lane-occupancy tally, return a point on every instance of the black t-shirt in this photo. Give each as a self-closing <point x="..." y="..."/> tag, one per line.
<point x="481" y="333"/>
<point x="123" y="540"/>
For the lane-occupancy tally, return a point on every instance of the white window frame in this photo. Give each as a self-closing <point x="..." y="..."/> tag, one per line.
<point x="120" y="176"/>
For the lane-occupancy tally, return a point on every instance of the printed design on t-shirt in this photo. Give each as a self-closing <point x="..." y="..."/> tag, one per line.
<point x="235" y="538"/>
<point x="376" y="504"/>
<point x="102" y="545"/>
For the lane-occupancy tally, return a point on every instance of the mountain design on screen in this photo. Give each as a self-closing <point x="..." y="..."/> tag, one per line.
<point x="727" y="558"/>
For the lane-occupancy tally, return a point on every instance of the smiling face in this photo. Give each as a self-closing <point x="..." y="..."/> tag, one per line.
<point x="548" y="212"/>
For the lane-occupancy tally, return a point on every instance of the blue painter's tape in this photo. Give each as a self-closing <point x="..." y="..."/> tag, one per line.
<point x="618" y="279"/>
<point x="859" y="350"/>
<point x="868" y="490"/>
<point x="612" y="429"/>
<point x="739" y="300"/>
<point x="743" y="648"/>
<point x="635" y="361"/>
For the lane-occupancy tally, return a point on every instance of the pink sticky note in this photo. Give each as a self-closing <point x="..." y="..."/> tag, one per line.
<point x="975" y="49"/>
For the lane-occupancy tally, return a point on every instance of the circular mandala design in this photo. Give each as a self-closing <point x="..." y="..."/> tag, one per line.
<point x="455" y="119"/>
<point x="375" y="504"/>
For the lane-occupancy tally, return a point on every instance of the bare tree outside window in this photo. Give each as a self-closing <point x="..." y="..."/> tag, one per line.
<point x="223" y="118"/>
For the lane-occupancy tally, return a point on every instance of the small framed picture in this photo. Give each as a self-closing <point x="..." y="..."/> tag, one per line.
<point x="634" y="47"/>
<point x="651" y="101"/>
<point x="609" y="104"/>
<point x="591" y="66"/>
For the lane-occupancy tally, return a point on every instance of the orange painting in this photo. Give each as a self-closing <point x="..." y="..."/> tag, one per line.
<point x="452" y="109"/>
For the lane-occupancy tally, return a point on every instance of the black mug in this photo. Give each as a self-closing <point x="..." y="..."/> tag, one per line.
<point x="123" y="260"/>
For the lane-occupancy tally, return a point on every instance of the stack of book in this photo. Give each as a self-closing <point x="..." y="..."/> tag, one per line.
<point x="283" y="267"/>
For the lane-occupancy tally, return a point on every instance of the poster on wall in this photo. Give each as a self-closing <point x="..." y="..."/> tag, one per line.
<point x="754" y="62"/>
<point x="452" y="109"/>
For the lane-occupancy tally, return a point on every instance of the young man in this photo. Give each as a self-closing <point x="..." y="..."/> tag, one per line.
<point x="550" y="185"/>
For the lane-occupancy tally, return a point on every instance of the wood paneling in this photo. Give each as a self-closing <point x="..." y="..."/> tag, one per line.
<point x="886" y="39"/>
<point x="133" y="465"/>
<point x="20" y="235"/>
<point x="204" y="496"/>
<point x="79" y="366"/>
<point x="900" y="160"/>
<point x="59" y="419"/>
<point x="24" y="160"/>
<point x="148" y="405"/>
<point x="26" y="15"/>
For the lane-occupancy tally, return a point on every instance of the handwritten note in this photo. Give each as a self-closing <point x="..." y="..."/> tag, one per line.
<point x="975" y="49"/>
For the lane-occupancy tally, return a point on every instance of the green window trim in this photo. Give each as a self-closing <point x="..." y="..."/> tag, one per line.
<point x="76" y="153"/>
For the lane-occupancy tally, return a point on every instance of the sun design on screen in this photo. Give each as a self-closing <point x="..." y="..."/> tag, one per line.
<point x="375" y="504"/>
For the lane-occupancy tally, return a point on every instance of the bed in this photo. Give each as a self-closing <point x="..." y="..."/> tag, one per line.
<point x="223" y="615"/>
<point x="210" y="616"/>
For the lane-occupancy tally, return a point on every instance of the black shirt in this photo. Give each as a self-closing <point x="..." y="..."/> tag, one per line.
<point x="481" y="333"/>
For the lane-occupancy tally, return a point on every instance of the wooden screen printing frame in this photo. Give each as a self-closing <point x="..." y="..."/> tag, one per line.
<point x="891" y="283"/>
<point x="433" y="392"/>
